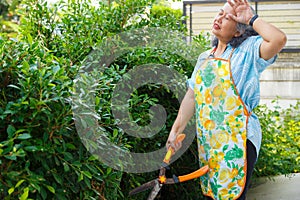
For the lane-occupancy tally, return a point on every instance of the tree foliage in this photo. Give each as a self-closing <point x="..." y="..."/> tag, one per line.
<point x="41" y="154"/>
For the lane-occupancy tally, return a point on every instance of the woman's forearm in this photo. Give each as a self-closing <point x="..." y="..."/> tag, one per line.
<point x="274" y="38"/>
<point x="186" y="111"/>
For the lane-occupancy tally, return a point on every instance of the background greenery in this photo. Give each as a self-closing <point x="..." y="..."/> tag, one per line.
<point x="41" y="155"/>
<point x="281" y="140"/>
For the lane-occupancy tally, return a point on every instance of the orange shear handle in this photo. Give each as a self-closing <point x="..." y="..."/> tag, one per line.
<point x="195" y="174"/>
<point x="170" y="151"/>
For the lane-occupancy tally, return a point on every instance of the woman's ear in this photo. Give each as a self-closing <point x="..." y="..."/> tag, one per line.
<point x="238" y="34"/>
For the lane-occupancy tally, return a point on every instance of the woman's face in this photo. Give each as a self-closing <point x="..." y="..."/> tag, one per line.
<point x="224" y="28"/>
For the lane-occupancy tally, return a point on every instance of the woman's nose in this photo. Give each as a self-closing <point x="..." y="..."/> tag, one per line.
<point x="219" y="18"/>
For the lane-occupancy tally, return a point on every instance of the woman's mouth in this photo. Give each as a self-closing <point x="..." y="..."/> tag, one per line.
<point x="216" y="26"/>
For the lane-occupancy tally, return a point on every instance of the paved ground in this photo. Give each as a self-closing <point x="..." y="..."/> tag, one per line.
<point x="282" y="188"/>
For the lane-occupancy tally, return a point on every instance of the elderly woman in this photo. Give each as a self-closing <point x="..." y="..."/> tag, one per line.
<point x="223" y="91"/>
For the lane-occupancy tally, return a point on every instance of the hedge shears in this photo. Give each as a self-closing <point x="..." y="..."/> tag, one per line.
<point x="157" y="183"/>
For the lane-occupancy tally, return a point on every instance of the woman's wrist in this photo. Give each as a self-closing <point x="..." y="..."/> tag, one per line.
<point x="252" y="20"/>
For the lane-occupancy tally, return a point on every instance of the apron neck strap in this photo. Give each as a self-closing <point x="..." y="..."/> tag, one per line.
<point x="214" y="50"/>
<point x="231" y="54"/>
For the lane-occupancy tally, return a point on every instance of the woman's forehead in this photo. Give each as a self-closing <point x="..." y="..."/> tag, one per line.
<point x="228" y="9"/>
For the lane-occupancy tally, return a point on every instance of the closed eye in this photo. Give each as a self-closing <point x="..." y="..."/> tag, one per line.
<point x="221" y="12"/>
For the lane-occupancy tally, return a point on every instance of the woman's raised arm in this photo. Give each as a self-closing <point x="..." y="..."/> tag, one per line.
<point x="274" y="38"/>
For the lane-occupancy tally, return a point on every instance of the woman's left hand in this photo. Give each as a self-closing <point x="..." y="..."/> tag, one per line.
<point x="242" y="9"/>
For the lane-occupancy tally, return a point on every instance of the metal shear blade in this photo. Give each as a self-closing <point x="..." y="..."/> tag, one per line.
<point x="155" y="190"/>
<point x="144" y="187"/>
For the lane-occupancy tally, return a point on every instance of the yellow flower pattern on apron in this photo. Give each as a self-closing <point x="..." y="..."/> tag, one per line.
<point x="221" y="119"/>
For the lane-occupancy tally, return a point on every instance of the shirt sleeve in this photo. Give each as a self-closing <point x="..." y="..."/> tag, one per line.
<point x="191" y="81"/>
<point x="261" y="64"/>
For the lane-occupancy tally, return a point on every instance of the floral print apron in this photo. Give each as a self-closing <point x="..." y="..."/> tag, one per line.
<point x="221" y="119"/>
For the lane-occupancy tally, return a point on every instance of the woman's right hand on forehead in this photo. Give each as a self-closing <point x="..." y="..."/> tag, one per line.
<point x="242" y="9"/>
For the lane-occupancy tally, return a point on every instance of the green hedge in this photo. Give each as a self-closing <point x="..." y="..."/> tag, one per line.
<point x="41" y="155"/>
